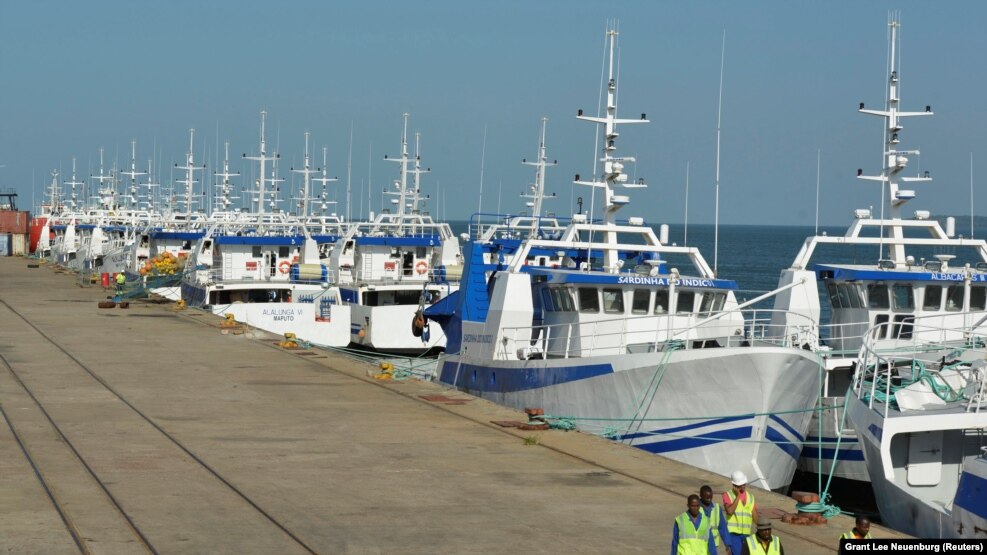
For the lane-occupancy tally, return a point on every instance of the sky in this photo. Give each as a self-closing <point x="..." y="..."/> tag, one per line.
<point x="478" y="77"/>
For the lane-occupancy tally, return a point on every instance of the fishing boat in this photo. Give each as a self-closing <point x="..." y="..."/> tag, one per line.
<point x="921" y="419"/>
<point x="916" y="269"/>
<point x="391" y="267"/>
<point x="612" y="337"/>
<point x="265" y="268"/>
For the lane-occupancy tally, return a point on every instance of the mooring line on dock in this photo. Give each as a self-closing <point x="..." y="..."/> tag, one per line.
<point x="154" y="425"/>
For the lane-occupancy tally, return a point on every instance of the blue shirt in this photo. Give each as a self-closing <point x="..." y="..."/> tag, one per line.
<point x="695" y="522"/>
<point x="722" y="528"/>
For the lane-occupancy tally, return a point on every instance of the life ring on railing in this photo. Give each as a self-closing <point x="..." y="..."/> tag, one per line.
<point x="421" y="267"/>
<point x="284" y="266"/>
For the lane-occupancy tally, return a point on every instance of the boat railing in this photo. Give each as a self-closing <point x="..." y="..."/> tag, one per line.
<point x="892" y="357"/>
<point x="650" y="333"/>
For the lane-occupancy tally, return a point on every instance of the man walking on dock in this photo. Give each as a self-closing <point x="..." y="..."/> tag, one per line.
<point x="717" y="520"/>
<point x="121" y="281"/>
<point x="763" y="542"/>
<point x="741" y="513"/>
<point x="691" y="533"/>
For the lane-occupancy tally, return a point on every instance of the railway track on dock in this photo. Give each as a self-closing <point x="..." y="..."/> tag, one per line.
<point x="71" y="434"/>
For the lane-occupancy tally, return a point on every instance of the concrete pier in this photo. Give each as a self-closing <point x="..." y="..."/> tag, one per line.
<point x="150" y="430"/>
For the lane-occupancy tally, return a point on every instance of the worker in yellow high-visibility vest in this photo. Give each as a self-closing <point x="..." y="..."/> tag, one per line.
<point x="763" y="542"/>
<point x="714" y="511"/>
<point x="741" y="512"/>
<point x="691" y="534"/>
<point x="861" y="530"/>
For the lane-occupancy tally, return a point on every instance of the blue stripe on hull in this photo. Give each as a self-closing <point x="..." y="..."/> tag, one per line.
<point x="854" y="453"/>
<point x="788" y="427"/>
<point x="693" y="426"/>
<point x="971" y="495"/>
<point x="782" y="442"/>
<point x="718" y="436"/>
<point x="506" y="380"/>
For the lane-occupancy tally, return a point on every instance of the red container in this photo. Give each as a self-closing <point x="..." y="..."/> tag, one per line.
<point x="14" y="221"/>
<point x="105" y="281"/>
<point x="37" y="225"/>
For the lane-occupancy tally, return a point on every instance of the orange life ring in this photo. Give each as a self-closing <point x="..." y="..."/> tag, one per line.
<point x="421" y="267"/>
<point x="284" y="266"/>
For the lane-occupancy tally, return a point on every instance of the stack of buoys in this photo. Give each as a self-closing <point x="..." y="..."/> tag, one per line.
<point x="165" y="264"/>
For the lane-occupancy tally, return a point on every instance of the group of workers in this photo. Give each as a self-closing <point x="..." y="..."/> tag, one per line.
<point x="708" y="526"/>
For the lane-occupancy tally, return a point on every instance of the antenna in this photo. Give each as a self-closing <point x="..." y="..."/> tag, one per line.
<point x="223" y="199"/>
<point x="818" y="163"/>
<point x="483" y="156"/>
<point x="306" y="172"/>
<point x="189" y="180"/>
<point x="719" y="113"/>
<point x="685" y="240"/>
<point x="971" y="195"/>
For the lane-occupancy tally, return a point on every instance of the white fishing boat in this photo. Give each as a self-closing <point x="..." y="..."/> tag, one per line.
<point x="921" y="420"/>
<point x="611" y="336"/>
<point x="267" y="270"/>
<point x="917" y="269"/>
<point x="393" y="266"/>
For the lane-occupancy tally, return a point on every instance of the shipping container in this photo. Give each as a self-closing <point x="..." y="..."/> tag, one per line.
<point x="18" y="244"/>
<point x="5" y="242"/>
<point x="14" y="221"/>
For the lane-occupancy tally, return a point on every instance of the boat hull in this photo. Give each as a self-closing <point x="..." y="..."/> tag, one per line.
<point x="720" y="409"/>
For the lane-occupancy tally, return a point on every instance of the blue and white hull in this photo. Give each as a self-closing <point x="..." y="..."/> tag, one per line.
<point x="719" y="409"/>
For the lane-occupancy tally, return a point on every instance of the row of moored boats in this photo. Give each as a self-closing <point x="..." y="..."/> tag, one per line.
<point x="872" y="371"/>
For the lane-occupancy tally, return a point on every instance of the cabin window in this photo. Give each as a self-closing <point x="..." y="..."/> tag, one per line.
<point x="902" y="327"/>
<point x="853" y="295"/>
<point x="283" y="252"/>
<point x="844" y="295"/>
<point x="933" y="297"/>
<point x="563" y="299"/>
<point x="834" y="296"/>
<point x="719" y="300"/>
<point x="705" y="303"/>
<point x="687" y="301"/>
<point x="546" y="300"/>
<point x="877" y="296"/>
<point x="255" y="252"/>
<point x="954" y="298"/>
<point x="589" y="299"/>
<point x="613" y="301"/>
<point x="640" y="301"/>
<point x="903" y="297"/>
<point x="880" y="326"/>
<point x="661" y="301"/>
<point x="978" y="298"/>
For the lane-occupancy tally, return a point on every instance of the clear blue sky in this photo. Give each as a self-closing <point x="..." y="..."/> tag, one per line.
<point x="80" y="75"/>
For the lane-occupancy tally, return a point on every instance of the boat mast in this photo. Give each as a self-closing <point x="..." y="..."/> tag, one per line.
<point x="895" y="160"/>
<point x="107" y="195"/>
<point x="537" y="194"/>
<point x="189" y="180"/>
<point x="133" y="174"/>
<point x="72" y="203"/>
<point x="416" y="196"/>
<point x="54" y="194"/>
<point x="613" y="166"/>
<point x="401" y="185"/>
<point x="306" y="172"/>
<point x="262" y="158"/>
<point x="223" y="201"/>
<point x="324" y="180"/>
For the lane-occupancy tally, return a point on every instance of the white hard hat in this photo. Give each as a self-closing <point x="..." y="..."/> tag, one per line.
<point x="738" y="478"/>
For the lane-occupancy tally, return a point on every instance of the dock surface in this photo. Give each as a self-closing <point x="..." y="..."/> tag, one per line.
<point x="149" y="430"/>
